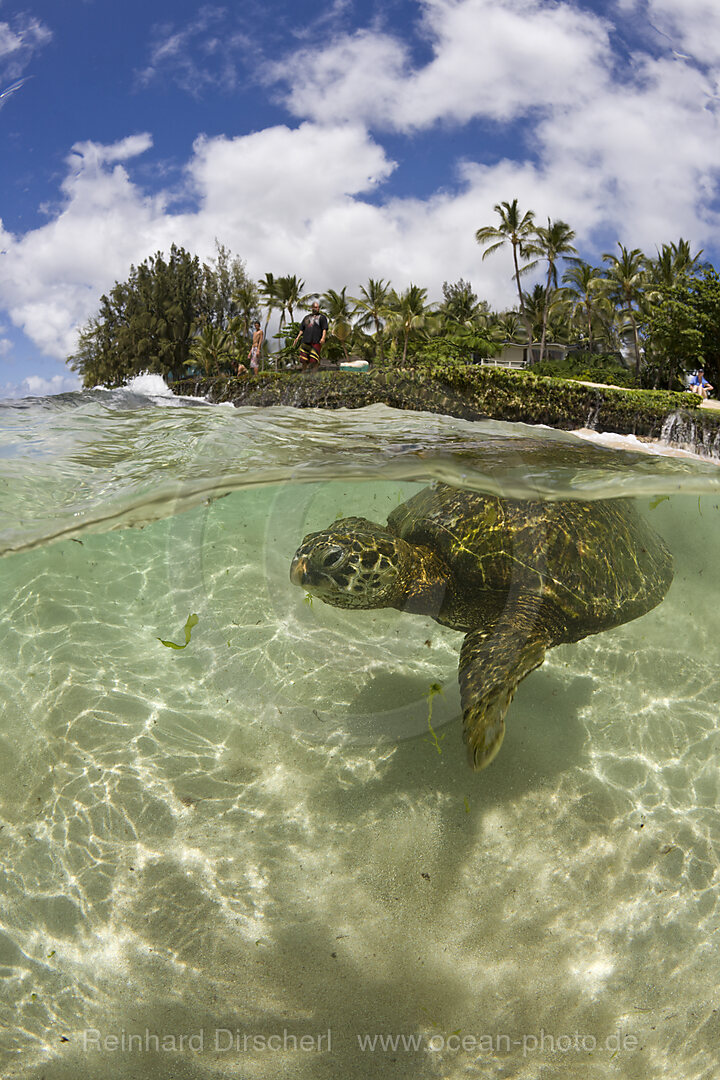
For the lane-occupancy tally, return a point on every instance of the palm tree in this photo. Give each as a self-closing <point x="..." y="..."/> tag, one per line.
<point x="585" y="294"/>
<point x="339" y="316"/>
<point x="505" y="327"/>
<point x="289" y="293"/>
<point x="626" y="276"/>
<point x="245" y="301"/>
<point x="213" y="347"/>
<point x="549" y="310"/>
<point x="408" y="312"/>
<point x="519" y="231"/>
<point x="268" y="296"/>
<point x="553" y="243"/>
<point x="373" y="303"/>
<point x="534" y="305"/>
<point x="674" y="261"/>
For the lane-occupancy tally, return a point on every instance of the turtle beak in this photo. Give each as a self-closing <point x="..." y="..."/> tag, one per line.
<point x="298" y="570"/>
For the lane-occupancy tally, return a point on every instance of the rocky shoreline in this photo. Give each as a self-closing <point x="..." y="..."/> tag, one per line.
<point x="476" y="393"/>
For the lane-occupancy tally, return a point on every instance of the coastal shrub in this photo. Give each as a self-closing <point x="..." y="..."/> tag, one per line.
<point x="600" y="368"/>
<point x="460" y="347"/>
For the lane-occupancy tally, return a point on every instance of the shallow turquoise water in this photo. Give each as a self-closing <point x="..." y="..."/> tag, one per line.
<point x="256" y="836"/>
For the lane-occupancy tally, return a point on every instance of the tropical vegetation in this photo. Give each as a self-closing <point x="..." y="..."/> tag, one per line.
<point x="170" y="316"/>
<point x="634" y="320"/>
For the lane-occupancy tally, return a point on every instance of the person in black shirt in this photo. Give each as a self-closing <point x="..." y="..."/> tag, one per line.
<point x="313" y="331"/>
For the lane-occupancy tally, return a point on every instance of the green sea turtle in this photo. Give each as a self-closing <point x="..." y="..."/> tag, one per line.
<point x="517" y="577"/>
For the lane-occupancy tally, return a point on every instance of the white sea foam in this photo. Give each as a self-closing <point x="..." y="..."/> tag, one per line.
<point x="149" y="385"/>
<point x="656" y="447"/>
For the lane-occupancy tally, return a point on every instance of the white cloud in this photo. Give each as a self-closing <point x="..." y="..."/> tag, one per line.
<point x="277" y="183"/>
<point x="262" y="194"/>
<point x="497" y="59"/>
<point x="20" y="39"/>
<point x="204" y="53"/>
<point x="357" y="78"/>
<point x="52" y="277"/>
<point x="90" y="155"/>
<point x="5" y="342"/>
<point x="37" y="386"/>
<point x="630" y="147"/>
<point x="505" y="59"/>
<point x="691" y="27"/>
<point x="265" y="196"/>
<point x="648" y="156"/>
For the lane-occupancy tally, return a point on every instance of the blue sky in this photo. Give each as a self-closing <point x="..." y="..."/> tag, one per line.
<point x="337" y="141"/>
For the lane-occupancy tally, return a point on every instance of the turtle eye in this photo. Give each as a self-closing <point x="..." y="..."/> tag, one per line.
<point x="333" y="557"/>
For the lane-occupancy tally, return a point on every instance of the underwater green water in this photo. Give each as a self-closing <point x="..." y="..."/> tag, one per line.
<point x="221" y="849"/>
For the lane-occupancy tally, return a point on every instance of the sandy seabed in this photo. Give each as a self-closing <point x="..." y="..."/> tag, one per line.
<point x="257" y="835"/>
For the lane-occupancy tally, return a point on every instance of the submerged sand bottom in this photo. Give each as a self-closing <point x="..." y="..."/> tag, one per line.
<point x="210" y="853"/>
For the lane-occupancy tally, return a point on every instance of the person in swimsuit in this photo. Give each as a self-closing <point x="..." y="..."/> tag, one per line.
<point x="254" y="354"/>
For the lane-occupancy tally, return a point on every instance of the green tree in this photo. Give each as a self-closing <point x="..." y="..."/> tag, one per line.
<point x="148" y="322"/>
<point x="586" y="298"/>
<point x="462" y="322"/>
<point x="372" y="307"/>
<point x="682" y="330"/>
<point x="267" y="289"/>
<point x="408" y="312"/>
<point x="519" y="231"/>
<point x="230" y="297"/>
<point x="145" y="324"/>
<point x="96" y="357"/>
<point x="626" y="277"/>
<point x="506" y="326"/>
<point x="674" y="261"/>
<point x="246" y="302"/>
<point x="553" y="243"/>
<point x="337" y="309"/>
<point x="289" y="295"/>
<point x="534" y="305"/>
<point x="551" y="310"/>
<point x="214" y="350"/>
<point x="461" y="307"/>
<point x="227" y="291"/>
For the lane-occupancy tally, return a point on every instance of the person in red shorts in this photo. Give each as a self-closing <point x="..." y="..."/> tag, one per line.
<point x="313" y="331"/>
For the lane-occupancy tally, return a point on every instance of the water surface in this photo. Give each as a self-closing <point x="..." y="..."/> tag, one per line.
<point x="258" y="835"/>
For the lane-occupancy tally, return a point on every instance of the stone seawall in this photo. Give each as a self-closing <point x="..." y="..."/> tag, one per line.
<point x="476" y="394"/>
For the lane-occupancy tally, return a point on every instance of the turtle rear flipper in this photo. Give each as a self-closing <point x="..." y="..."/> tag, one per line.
<point x="492" y="663"/>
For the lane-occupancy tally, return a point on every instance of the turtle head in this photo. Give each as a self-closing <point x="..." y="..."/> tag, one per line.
<point x="353" y="564"/>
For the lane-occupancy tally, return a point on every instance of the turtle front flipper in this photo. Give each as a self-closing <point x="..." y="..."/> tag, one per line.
<point x="492" y="663"/>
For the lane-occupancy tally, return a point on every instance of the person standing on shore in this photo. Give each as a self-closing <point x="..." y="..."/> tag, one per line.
<point x="313" y="331"/>
<point x="254" y="354"/>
